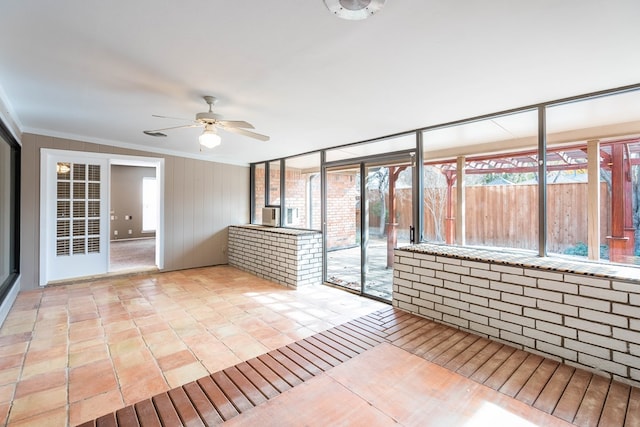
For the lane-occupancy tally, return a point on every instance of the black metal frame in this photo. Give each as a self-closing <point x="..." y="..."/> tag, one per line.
<point x="419" y="160"/>
<point x="14" y="211"/>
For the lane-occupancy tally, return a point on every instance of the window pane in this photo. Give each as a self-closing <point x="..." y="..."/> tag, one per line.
<point x="500" y="185"/>
<point x="259" y="196"/>
<point x="274" y="183"/>
<point x="606" y="127"/>
<point x="5" y="210"/>
<point x="149" y="204"/>
<point x="390" y="145"/>
<point x="302" y="192"/>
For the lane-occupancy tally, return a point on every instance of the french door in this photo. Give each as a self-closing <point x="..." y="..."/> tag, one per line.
<point x="369" y="212"/>
<point x="74" y="216"/>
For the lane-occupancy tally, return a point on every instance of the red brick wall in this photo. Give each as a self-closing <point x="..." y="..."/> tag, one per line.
<point x="343" y="198"/>
<point x="342" y="217"/>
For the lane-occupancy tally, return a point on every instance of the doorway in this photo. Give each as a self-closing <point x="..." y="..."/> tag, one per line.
<point x="133" y="217"/>
<point x="369" y="213"/>
<point x="74" y="212"/>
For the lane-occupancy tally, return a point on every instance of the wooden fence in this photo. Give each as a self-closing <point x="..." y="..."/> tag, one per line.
<point x="507" y="215"/>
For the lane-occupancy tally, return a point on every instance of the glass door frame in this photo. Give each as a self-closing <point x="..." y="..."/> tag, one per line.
<point x="362" y="163"/>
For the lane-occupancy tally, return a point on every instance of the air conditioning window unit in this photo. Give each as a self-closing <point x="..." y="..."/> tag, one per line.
<point x="271" y="217"/>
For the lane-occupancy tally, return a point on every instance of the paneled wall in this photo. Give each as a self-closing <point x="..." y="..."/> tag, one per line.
<point x="201" y="200"/>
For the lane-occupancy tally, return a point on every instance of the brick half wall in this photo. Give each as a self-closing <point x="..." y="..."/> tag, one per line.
<point x="570" y="316"/>
<point x="290" y="257"/>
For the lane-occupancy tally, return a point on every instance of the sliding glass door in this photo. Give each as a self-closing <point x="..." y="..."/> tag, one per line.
<point x="369" y="213"/>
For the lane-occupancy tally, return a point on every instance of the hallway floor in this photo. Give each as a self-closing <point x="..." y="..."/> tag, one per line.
<point x="71" y="353"/>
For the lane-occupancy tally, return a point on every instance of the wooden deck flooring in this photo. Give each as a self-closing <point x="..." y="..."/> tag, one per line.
<point x="571" y="394"/>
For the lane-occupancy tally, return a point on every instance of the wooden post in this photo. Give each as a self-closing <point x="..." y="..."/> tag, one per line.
<point x="460" y="206"/>
<point x="593" y="201"/>
<point x="618" y="241"/>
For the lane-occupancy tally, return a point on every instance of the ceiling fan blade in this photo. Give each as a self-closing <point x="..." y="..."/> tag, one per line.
<point x="235" y="124"/>
<point x="172" y="118"/>
<point x="248" y="133"/>
<point x="154" y="133"/>
<point x="158" y="132"/>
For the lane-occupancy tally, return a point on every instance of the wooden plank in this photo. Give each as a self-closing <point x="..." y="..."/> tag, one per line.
<point x="292" y="366"/>
<point x="590" y="409"/>
<point x="633" y="409"/>
<point x="300" y="361"/>
<point x="203" y="405"/>
<point x="442" y="334"/>
<point x="147" y="415"/>
<point x="372" y="318"/>
<point x="108" y="420"/>
<point x="479" y="359"/>
<point x="392" y="316"/>
<point x="464" y="357"/>
<point x="127" y="416"/>
<point x="521" y="375"/>
<point x="280" y="370"/>
<point x="362" y="332"/>
<point x="572" y="397"/>
<point x="166" y="412"/>
<point x="349" y="342"/>
<point x="455" y="350"/>
<point x="554" y="389"/>
<point x="505" y="370"/>
<point x="371" y="324"/>
<point x="258" y="380"/>
<point x="317" y="361"/>
<point x="352" y="339"/>
<point x="184" y="408"/>
<point x="246" y="387"/>
<point x="222" y="404"/>
<point x="268" y="374"/>
<point x="338" y="344"/>
<point x="230" y="390"/>
<point x="436" y="351"/>
<point x="410" y="329"/>
<point x="420" y="336"/>
<point x="327" y="349"/>
<point x="367" y="327"/>
<point x="390" y="313"/>
<point x="327" y="357"/>
<point x="400" y="325"/>
<point x="537" y="381"/>
<point x="615" y="405"/>
<point x="368" y="339"/>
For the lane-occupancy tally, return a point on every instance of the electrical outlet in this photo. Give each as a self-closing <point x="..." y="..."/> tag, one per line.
<point x="130" y="231"/>
<point x="115" y="232"/>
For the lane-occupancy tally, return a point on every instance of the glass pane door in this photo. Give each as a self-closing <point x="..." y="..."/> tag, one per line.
<point x="343" y="234"/>
<point x="387" y="222"/>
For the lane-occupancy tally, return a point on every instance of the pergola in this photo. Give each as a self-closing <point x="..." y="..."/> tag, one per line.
<point x="615" y="156"/>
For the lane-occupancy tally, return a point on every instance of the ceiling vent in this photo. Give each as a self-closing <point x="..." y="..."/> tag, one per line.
<point x="354" y="9"/>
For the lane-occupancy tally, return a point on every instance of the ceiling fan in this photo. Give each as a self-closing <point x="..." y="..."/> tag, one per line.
<point x="210" y="121"/>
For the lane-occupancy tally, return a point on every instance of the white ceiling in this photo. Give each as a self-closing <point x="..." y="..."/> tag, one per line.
<point x="98" y="70"/>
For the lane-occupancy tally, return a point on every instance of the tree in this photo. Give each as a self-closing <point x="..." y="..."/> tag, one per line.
<point x="435" y="197"/>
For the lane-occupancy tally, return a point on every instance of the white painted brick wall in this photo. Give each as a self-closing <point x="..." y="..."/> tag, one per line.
<point x="288" y="257"/>
<point x="592" y="322"/>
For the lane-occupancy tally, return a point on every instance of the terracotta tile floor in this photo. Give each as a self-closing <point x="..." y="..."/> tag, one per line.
<point x="71" y="353"/>
<point x="359" y="392"/>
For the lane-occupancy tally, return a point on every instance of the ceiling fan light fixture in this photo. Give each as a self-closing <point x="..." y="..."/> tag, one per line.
<point x="209" y="137"/>
<point x="354" y="10"/>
